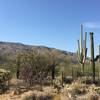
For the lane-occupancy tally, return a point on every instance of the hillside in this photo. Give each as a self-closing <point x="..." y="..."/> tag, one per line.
<point x="10" y="47"/>
<point x="8" y="50"/>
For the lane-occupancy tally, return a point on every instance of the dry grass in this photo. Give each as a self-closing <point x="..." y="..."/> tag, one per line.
<point x="77" y="90"/>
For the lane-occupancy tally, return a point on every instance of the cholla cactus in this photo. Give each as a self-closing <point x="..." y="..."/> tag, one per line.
<point x="82" y="50"/>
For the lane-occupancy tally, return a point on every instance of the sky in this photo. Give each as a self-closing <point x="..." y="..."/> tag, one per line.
<point x="52" y="23"/>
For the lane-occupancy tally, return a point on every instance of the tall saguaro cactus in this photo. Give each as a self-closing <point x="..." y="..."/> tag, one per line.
<point x="18" y="58"/>
<point x="93" y="60"/>
<point x="82" y="50"/>
<point x="92" y="55"/>
<point x="99" y="53"/>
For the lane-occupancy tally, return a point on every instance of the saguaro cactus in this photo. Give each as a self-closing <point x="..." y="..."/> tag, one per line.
<point x="92" y="55"/>
<point x="18" y="65"/>
<point x="93" y="60"/>
<point x="82" y="50"/>
<point x="62" y="79"/>
<point x="99" y="53"/>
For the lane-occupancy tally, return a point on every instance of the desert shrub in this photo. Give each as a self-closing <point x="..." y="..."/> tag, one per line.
<point x="34" y="69"/>
<point x="97" y="90"/>
<point x="79" y="74"/>
<point x="78" y="88"/>
<point x="40" y="97"/>
<point x="46" y="97"/>
<point x="68" y="79"/>
<point x="86" y="80"/>
<point x="29" y="98"/>
<point x="4" y="80"/>
<point x="26" y="74"/>
<point x="57" y="84"/>
<point x="93" y="97"/>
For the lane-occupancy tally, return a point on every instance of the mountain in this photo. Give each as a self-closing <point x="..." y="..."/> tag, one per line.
<point x="9" y="50"/>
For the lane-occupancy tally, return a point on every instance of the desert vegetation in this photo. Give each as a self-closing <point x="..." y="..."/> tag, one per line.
<point x="32" y="74"/>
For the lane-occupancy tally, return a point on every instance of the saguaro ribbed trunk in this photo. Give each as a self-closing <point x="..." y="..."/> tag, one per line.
<point x="92" y="55"/>
<point x="99" y="53"/>
<point x="82" y="50"/>
<point x="53" y="72"/>
<point x="83" y="68"/>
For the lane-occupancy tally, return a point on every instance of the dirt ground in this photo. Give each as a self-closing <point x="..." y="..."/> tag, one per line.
<point x="17" y="91"/>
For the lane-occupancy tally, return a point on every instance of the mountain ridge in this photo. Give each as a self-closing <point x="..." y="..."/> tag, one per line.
<point x="32" y="46"/>
<point x="11" y="49"/>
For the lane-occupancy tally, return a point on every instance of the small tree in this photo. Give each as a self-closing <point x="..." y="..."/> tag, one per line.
<point x="34" y="68"/>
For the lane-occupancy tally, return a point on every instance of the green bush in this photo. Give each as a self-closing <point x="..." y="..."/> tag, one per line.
<point x="4" y="80"/>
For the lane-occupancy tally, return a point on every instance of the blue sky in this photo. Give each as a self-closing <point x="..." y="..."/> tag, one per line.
<point x="53" y="23"/>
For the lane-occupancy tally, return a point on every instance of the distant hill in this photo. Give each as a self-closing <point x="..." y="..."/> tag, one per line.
<point x="9" y="50"/>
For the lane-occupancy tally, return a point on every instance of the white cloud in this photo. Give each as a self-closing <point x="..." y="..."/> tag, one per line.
<point x="92" y="24"/>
